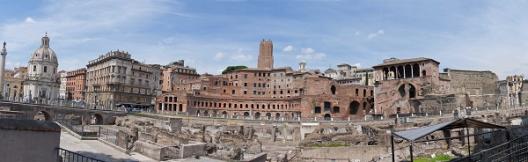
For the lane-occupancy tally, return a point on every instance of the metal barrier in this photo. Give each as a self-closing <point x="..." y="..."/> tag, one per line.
<point x="69" y="156"/>
<point x="515" y="150"/>
<point x="81" y="130"/>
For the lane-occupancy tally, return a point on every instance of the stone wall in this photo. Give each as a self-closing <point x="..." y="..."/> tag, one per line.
<point x="188" y="150"/>
<point x="353" y="153"/>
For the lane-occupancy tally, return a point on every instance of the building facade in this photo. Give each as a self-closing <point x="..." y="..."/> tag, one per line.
<point x="268" y="93"/>
<point x="76" y="85"/>
<point x="42" y="82"/>
<point x="115" y="80"/>
<point x="13" y="84"/>
<point x="62" y="86"/>
<point x="176" y="73"/>
<point x="347" y="74"/>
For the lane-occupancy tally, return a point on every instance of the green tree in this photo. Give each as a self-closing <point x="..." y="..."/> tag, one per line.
<point x="233" y="68"/>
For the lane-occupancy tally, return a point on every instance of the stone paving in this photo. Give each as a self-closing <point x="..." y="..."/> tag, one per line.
<point x="99" y="150"/>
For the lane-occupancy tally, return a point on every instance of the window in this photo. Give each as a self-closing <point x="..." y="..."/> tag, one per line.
<point x="333" y="90"/>
<point x="45" y="69"/>
<point x="336" y="109"/>
<point x="34" y="68"/>
<point x="317" y="110"/>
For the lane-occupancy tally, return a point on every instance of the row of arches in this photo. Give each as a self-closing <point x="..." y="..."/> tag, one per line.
<point x="353" y="107"/>
<point x="403" y="71"/>
<point x="247" y="115"/>
<point x="95" y="119"/>
<point x="277" y="106"/>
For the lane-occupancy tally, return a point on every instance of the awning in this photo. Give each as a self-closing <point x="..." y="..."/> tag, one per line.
<point x="413" y="134"/>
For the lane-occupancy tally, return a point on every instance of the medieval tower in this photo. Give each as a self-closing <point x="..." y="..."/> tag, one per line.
<point x="265" y="59"/>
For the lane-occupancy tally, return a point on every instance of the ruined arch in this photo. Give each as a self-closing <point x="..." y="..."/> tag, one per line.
<point x="412" y="91"/>
<point x="401" y="90"/>
<point x="257" y="115"/>
<point x="96" y="119"/>
<point x="353" y="107"/>
<point x="268" y="116"/>
<point x="277" y="116"/>
<point x="246" y="115"/>
<point x="42" y="115"/>
<point x="327" y="117"/>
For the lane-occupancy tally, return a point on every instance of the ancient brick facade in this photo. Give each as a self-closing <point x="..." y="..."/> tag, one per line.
<point x="415" y="86"/>
<point x="268" y="93"/>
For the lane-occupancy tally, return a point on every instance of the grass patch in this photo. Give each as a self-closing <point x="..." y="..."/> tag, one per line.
<point x="437" y="158"/>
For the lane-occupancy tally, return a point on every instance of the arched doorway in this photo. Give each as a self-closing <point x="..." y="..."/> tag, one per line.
<point x="96" y="119"/>
<point x="327" y="117"/>
<point x="246" y="115"/>
<point x="206" y="113"/>
<point x="224" y="114"/>
<point x="42" y="115"/>
<point x="277" y="116"/>
<point x="353" y="107"/>
<point x="198" y="113"/>
<point x="257" y="115"/>
<point x="268" y="116"/>
<point x="235" y="116"/>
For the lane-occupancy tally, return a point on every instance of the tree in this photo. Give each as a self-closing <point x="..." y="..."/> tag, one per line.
<point x="233" y="68"/>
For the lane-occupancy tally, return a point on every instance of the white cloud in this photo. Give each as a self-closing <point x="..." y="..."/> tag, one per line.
<point x="29" y="20"/>
<point x="219" y="56"/>
<point x="288" y="48"/>
<point x="240" y="55"/>
<point x="376" y="34"/>
<point x="310" y="54"/>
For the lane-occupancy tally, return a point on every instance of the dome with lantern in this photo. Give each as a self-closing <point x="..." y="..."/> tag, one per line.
<point x="45" y="53"/>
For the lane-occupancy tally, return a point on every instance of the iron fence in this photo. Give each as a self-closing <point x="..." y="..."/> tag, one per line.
<point x="515" y="150"/>
<point x="64" y="155"/>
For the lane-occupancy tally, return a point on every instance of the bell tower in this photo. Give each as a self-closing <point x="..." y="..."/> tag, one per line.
<point x="265" y="59"/>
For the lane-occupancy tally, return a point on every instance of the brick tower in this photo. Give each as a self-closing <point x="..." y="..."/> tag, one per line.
<point x="265" y="59"/>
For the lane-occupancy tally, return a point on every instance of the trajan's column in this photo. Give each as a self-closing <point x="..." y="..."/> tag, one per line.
<point x="2" y="68"/>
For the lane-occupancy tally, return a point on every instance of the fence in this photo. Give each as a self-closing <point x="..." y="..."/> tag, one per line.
<point x="69" y="156"/>
<point x="82" y="130"/>
<point x="514" y="150"/>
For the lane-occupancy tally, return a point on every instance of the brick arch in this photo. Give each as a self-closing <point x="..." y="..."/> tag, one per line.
<point x="43" y="115"/>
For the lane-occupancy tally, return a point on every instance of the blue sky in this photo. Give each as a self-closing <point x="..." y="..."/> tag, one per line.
<point x="210" y="35"/>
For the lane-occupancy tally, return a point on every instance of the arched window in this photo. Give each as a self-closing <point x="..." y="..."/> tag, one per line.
<point x="333" y="89"/>
<point x="353" y="107"/>
<point x="412" y="91"/>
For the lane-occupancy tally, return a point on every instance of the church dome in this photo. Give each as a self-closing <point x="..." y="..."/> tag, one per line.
<point x="45" y="53"/>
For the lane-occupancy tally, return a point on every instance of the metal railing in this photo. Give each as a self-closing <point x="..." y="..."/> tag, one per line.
<point x="515" y="150"/>
<point x="82" y="130"/>
<point x="69" y="156"/>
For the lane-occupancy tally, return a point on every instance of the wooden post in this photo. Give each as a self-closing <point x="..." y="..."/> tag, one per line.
<point x="411" y="149"/>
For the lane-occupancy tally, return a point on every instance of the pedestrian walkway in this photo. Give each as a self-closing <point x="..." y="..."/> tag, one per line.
<point x="98" y="150"/>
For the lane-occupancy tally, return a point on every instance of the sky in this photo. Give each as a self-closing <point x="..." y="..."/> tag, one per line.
<point x="210" y="35"/>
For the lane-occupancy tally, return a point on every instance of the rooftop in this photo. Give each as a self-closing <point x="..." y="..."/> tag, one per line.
<point x="396" y="61"/>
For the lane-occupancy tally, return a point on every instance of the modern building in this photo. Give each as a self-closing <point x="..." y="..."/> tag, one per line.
<point x="62" y="87"/>
<point x="115" y="80"/>
<point x="76" y="85"/>
<point x="42" y="82"/>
